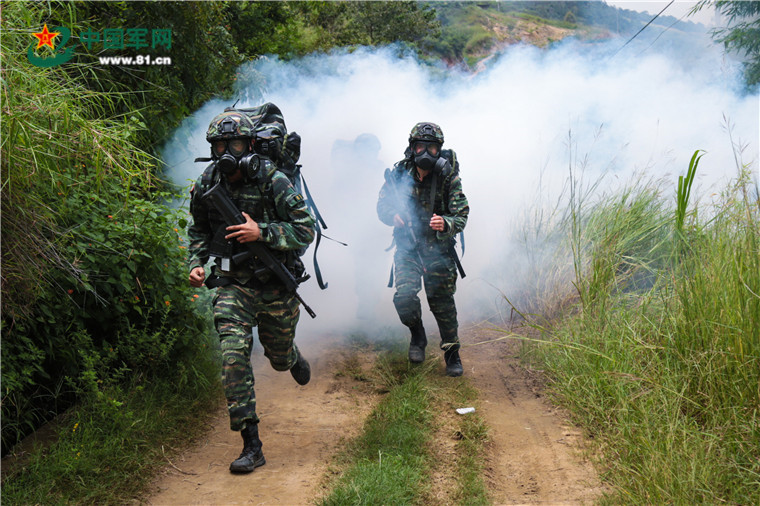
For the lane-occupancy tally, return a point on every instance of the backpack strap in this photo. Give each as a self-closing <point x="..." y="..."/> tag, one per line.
<point x="317" y="270"/>
<point x="209" y="177"/>
<point x="451" y="156"/>
<point x="300" y="183"/>
<point x="319" y="226"/>
<point x="310" y="201"/>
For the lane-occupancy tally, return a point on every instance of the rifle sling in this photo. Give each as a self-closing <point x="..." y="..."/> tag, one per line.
<point x="453" y="253"/>
<point x="317" y="270"/>
<point x="433" y="184"/>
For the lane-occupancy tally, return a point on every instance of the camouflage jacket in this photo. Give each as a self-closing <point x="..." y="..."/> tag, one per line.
<point x="411" y="200"/>
<point x="286" y="223"/>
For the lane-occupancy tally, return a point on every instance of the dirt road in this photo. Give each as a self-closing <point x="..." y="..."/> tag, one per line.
<point x="533" y="456"/>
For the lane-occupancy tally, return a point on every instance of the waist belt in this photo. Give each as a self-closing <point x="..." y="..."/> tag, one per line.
<point x="216" y="281"/>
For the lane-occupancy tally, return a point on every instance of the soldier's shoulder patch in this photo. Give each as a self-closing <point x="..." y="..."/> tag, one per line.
<point x="295" y="199"/>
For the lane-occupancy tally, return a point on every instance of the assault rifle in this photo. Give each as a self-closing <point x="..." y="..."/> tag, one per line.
<point x="231" y="215"/>
<point x="392" y="184"/>
<point x="440" y="165"/>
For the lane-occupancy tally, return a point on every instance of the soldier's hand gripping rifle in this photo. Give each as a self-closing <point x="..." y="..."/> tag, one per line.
<point x="393" y="185"/>
<point x="231" y="215"/>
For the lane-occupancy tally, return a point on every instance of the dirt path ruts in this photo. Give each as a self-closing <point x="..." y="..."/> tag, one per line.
<point x="533" y="456"/>
<point x="301" y="427"/>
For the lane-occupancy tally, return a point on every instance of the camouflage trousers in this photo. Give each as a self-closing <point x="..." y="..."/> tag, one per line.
<point x="237" y="309"/>
<point x="439" y="277"/>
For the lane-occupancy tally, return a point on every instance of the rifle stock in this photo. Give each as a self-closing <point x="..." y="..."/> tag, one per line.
<point x="232" y="216"/>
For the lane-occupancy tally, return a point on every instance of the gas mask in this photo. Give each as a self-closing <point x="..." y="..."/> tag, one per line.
<point x="426" y="154"/>
<point x="233" y="154"/>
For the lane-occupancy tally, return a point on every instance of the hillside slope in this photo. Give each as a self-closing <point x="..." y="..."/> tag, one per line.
<point x="472" y="31"/>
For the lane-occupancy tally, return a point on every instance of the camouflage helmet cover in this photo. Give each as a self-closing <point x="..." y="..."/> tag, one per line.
<point x="230" y="125"/>
<point x="426" y="131"/>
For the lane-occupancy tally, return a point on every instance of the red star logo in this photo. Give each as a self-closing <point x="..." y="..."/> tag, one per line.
<point x="45" y="37"/>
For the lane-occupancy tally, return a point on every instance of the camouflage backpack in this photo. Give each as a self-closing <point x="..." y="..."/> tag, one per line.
<point x="266" y="124"/>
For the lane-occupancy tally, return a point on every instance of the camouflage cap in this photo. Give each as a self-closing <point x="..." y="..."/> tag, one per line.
<point x="426" y="132"/>
<point x="229" y="125"/>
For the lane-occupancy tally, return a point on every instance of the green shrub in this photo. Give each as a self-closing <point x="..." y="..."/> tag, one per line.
<point x="95" y="290"/>
<point x="479" y="42"/>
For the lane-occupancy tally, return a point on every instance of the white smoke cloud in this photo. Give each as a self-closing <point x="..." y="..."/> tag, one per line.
<point x="510" y="125"/>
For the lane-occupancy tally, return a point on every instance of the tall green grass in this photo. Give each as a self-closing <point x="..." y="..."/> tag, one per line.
<point x="661" y="359"/>
<point x="52" y="124"/>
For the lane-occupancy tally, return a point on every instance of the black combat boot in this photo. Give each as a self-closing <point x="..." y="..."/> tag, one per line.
<point x="453" y="363"/>
<point x="251" y="458"/>
<point x="417" y="344"/>
<point x="301" y="371"/>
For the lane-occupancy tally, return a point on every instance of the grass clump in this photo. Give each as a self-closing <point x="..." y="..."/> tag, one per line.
<point x="467" y="463"/>
<point x="661" y="359"/>
<point x="386" y="464"/>
<point x="411" y="435"/>
<point x="107" y="449"/>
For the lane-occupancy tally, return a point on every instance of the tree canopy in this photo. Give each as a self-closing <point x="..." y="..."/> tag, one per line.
<point x="742" y="35"/>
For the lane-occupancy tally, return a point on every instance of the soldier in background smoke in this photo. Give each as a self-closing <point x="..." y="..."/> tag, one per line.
<point x="422" y="199"/>
<point x="355" y="163"/>
<point x="248" y="294"/>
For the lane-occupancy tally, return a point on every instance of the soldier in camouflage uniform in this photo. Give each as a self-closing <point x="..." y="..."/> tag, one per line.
<point x="422" y="199"/>
<point x="248" y="295"/>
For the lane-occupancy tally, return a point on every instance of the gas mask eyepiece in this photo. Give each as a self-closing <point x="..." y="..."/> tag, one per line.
<point x="419" y="147"/>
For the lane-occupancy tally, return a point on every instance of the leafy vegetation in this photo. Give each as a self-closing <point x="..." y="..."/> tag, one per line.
<point x="662" y="361"/>
<point x="94" y="286"/>
<point x="742" y="35"/>
<point x="341" y="24"/>
<point x="163" y="94"/>
<point x="93" y="267"/>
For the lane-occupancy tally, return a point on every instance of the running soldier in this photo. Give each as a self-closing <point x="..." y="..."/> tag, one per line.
<point x="248" y="293"/>
<point x="422" y="199"/>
